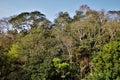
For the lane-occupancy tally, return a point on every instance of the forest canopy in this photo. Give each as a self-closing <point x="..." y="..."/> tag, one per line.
<point x="83" y="47"/>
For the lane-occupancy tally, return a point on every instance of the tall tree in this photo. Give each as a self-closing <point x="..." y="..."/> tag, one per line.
<point x="28" y="20"/>
<point x="62" y="19"/>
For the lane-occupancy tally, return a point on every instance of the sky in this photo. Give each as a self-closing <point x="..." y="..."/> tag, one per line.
<point x="51" y="8"/>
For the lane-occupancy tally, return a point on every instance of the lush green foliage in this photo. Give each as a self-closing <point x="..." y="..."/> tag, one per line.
<point x="105" y="63"/>
<point x="85" y="47"/>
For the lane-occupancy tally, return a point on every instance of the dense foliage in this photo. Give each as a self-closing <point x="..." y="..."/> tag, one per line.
<point x="85" y="47"/>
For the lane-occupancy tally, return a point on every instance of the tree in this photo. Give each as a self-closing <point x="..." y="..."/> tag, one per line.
<point x="79" y="15"/>
<point x="38" y="48"/>
<point x="105" y="63"/>
<point x="28" y="20"/>
<point x="5" y="25"/>
<point x="114" y="15"/>
<point x="62" y="19"/>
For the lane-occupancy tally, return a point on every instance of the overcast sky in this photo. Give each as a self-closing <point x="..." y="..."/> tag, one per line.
<point x="52" y="7"/>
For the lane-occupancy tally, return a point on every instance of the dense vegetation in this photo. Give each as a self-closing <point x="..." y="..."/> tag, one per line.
<point x="85" y="47"/>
